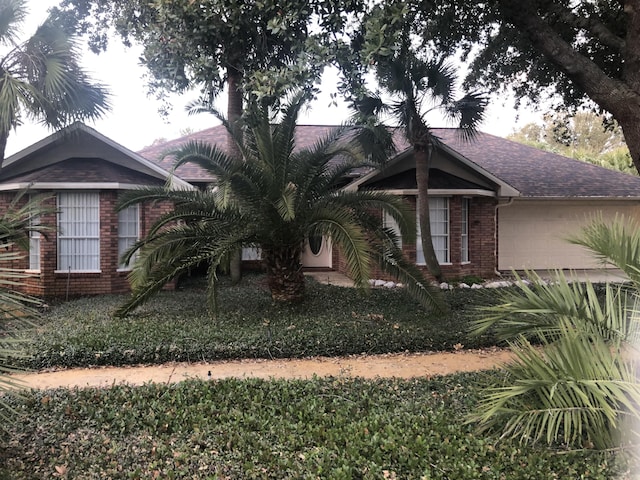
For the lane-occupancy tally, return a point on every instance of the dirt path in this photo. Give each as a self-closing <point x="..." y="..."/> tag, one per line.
<point x="367" y="366"/>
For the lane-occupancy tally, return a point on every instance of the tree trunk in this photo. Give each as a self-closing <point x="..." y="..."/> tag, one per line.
<point x="284" y="273"/>
<point x="4" y="136"/>
<point x="234" y="113"/>
<point x="422" y="155"/>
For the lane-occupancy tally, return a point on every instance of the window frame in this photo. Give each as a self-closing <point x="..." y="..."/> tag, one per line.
<point x="126" y="241"/>
<point x="464" y="231"/>
<point x="444" y="256"/>
<point x="91" y="240"/>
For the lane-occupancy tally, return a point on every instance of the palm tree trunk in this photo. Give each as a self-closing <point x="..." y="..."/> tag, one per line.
<point x="4" y="136"/>
<point x="422" y="154"/>
<point x="284" y="273"/>
<point x="234" y="112"/>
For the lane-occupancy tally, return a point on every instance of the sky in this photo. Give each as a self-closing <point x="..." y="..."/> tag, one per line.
<point x="134" y="121"/>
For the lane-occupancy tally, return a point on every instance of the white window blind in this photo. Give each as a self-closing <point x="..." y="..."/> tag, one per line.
<point x="464" y="238"/>
<point x="128" y="231"/>
<point x="79" y="232"/>
<point x="389" y="222"/>
<point x="34" y="245"/>
<point x="439" y="222"/>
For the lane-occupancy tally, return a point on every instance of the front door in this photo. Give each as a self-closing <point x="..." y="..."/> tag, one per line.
<point x="317" y="253"/>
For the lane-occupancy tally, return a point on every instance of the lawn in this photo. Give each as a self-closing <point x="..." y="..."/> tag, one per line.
<point x="177" y="326"/>
<point x="333" y="428"/>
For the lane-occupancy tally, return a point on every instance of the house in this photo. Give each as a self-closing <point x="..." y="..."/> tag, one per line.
<point x="496" y="205"/>
<point x="81" y="172"/>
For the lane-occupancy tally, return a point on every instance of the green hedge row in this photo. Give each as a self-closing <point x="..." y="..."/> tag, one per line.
<point x="252" y="429"/>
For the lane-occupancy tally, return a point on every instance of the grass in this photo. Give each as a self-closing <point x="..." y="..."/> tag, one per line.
<point x="176" y="326"/>
<point x="332" y="428"/>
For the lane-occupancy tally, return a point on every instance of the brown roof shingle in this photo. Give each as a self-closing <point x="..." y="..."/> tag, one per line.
<point x="534" y="173"/>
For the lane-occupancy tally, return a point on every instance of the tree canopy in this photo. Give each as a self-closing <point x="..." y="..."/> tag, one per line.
<point x="41" y="77"/>
<point x="578" y="54"/>
<point x="582" y="136"/>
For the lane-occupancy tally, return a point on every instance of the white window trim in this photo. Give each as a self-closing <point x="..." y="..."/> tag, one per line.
<point x="466" y="202"/>
<point x="448" y="235"/>
<point x="121" y="267"/>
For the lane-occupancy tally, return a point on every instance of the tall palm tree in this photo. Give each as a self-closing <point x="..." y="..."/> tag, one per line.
<point x="418" y="87"/>
<point x="41" y="78"/>
<point x="578" y="386"/>
<point x="273" y="196"/>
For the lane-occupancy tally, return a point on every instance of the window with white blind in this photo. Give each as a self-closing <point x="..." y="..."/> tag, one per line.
<point x="389" y="222"/>
<point x="128" y="232"/>
<point x="79" y="232"/>
<point x="464" y="236"/>
<point x="34" y="245"/>
<point x="439" y="222"/>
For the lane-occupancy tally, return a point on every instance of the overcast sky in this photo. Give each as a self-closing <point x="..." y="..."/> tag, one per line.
<point x="134" y="121"/>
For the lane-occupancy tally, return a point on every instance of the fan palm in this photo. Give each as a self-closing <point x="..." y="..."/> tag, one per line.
<point x="579" y="386"/>
<point x="41" y="78"/>
<point x="274" y="197"/>
<point x="418" y="87"/>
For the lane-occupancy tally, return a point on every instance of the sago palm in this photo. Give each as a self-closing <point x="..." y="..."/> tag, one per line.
<point x="273" y="196"/>
<point x="41" y="78"/>
<point x="418" y="87"/>
<point x="574" y="381"/>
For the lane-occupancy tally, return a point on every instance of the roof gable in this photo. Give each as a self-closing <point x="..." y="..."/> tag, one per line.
<point x="81" y="142"/>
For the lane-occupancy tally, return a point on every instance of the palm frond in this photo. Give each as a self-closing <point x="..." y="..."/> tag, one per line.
<point x="616" y="243"/>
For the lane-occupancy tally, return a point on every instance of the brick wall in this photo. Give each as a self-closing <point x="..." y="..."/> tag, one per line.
<point x="482" y="241"/>
<point x="52" y="283"/>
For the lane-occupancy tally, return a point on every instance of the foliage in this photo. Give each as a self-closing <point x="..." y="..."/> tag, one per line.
<point x="574" y="54"/>
<point x="273" y="196"/>
<point x="16" y="309"/>
<point x="335" y="428"/>
<point x="584" y="136"/>
<point x="271" y="45"/>
<point x="580" y="387"/>
<point x="175" y="326"/>
<point x="42" y="77"/>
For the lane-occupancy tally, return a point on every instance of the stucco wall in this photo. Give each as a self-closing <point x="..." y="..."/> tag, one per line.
<point x="532" y="234"/>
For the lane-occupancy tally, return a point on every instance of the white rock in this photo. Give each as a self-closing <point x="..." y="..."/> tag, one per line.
<point x="399" y="285"/>
<point x="444" y="286"/>
<point x="498" y="284"/>
<point x="390" y="285"/>
<point x="379" y="283"/>
<point x="476" y="286"/>
<point x="463" y="285"/>
<point x="372" y="281"/>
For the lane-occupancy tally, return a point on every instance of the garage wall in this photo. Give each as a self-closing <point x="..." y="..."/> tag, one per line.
<point x="532" y="234"/>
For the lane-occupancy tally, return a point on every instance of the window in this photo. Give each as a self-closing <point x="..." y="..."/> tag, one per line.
<point x="251" y="253"/>
<point x="439" y="222"/>
<point x="128" y="231"/>
<point x="389" y="222"/>
<point x="34" y="244"/>
<point x="79" y="232"/>
<point x="464" y="237"/>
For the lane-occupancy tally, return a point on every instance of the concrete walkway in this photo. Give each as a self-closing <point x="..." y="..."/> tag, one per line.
<point x="330" y="277"/>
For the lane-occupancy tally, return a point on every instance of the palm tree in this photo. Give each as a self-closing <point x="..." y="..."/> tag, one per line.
<point x="273" y="197"/>
<point x="41" y="78"/>
<point x="574" y="381"/>
<point x="418" y="87"/>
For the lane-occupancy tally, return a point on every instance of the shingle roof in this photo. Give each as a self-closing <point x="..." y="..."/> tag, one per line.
<point x="540" y="174"/>
<point x="533" y="172"/>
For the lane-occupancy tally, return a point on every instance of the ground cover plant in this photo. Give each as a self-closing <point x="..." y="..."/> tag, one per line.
<point x="335" y="428"/>
<point x="176" y="326"/>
